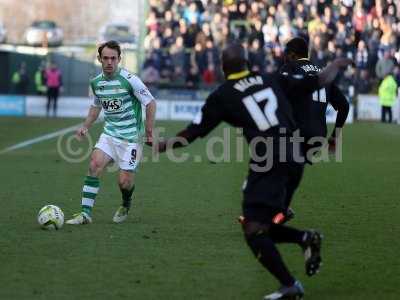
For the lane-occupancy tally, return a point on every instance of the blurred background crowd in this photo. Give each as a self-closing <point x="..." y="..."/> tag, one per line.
<point x="185" y="37"/>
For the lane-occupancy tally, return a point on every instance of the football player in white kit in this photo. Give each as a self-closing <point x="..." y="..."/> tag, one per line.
<point x="121" y="95"/>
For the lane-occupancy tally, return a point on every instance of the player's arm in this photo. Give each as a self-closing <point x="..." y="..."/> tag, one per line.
<point x="143" y="94"/>
<point x="92" y="116"/>
<point x="329" y="73"/>
<point x="150" y="117"/>
<point x="341" y="105"/>
<point x="209" y="118"/>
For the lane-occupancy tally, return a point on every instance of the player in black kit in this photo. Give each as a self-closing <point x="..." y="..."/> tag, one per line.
<point x="309" y="105"/>
<point x="258" y="105"/>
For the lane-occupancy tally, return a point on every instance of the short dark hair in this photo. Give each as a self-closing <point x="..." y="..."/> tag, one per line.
<point x="110" y="44"/>
<point x="234" y="58"/>
<point x="298" y="46"/>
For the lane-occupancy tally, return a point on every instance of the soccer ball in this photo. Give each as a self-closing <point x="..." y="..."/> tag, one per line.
<point x="50" y="217"/>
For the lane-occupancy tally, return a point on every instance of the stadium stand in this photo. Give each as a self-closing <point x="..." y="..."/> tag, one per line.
<point x="185" y="37"/>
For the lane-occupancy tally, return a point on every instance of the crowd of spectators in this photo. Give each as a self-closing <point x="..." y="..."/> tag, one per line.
<point x="185" y="37"/>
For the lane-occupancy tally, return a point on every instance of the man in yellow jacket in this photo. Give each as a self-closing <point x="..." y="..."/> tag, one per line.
<point x="40" y="86"/>
<point x="387" y="96"/>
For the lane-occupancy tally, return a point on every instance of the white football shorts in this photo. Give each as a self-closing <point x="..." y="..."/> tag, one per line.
<point x="126" y="155"/>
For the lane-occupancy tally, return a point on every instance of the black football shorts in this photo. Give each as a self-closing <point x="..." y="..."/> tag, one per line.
<point x="264" y="194"/>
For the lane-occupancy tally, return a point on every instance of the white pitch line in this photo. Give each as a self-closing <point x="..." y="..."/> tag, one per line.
<point x="40" y="138"/>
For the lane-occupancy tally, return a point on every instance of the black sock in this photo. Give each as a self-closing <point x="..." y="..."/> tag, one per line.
<point x="268" y="255"/>
<point x="285" y="234"/>
<point x="127" y="197"/>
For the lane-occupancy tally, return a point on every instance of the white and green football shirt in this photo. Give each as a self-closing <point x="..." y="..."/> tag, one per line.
<point x="121" y="97"/>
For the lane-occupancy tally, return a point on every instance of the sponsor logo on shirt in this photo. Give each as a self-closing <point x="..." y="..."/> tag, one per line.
<point x="112" y="105"/>
<point x="144" y="92"/>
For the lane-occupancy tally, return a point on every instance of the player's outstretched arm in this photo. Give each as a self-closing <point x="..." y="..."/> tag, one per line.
<point x="341" y="105"/>
<point x="182" y="139"/>
<point x="328" y="75"/>
<point x="92" y="116"/>
<point x="149" y="125"/>
<point x="205" y="121"/>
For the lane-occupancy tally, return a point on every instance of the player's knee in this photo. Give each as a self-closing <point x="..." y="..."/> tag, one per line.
<point x="95" y="167"/>
<point x="255" y="233"/>
<point x="125" y="183"/>
<point x="252" y="229"/>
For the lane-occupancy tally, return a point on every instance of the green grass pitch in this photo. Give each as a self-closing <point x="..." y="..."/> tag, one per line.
<point x="182" y="240"/>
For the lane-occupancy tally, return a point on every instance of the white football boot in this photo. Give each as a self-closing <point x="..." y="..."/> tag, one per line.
<point x="121" y="215"/>
<point x="80" y="219"/>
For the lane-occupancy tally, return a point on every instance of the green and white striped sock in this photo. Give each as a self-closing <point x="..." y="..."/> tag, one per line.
<point x="89" y="193"/>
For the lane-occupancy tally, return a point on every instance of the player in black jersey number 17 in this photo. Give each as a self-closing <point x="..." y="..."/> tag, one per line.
<point x="257" y="104"/>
